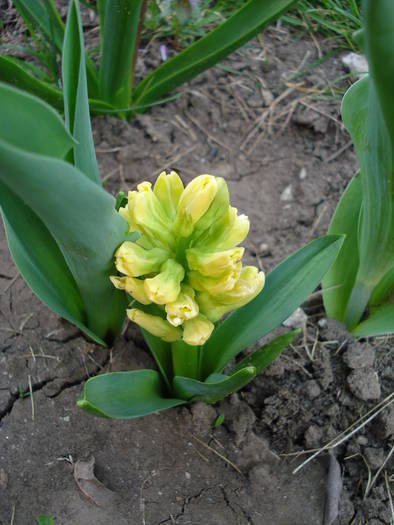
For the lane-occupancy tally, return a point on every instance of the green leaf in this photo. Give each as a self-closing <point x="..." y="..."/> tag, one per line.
<point x="380" y="321"/>
<point x="210" y="392"/>
<point x="203" y="54"/>
<point x="42" y="18"/>
<point x="264" y="356"/>
<point x="82" y="220"/>
<point x="125" y="395"/>
<point x="286" y="287"/>
<point x="339" y="280"/>
<point x="12" y="73"/>
<point x="76" y="105"/>
<point x="384" y="291"/>
<point x="44" y="520"/>
<point x="119" y="21"/>
<point x="373" y="138"/>
<point x="21" y="111"/>
<point x="40" y="261"/>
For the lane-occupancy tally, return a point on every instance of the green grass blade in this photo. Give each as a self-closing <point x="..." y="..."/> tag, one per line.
<point x="76" y="104"/>
<point x="125" y="395"/>
<point x="203" y="54"/>
<point x="212" y="391"/>
<point x="286" y="287"/>
<point x="44" y="520"/>
<point x="380" y="321"/>
<point x="119" y="25"/>
<point x="265" y="355"/>
<point x="339" y="280"/>
<point x="81" y="217"/>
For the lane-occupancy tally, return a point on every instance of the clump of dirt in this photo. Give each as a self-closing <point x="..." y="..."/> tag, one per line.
<point x="278" y="140"/>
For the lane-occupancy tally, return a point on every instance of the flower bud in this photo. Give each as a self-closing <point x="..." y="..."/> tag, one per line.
<point x="249" y="284"/>
<point x="197" y="330"/>
<point x="146" y="215"/>
<point x="165" y="287"/>
<point x="215" y="263"/>
<point x="183" y="308"/>
<point x="134" y="287"/>
<point x="215" y="285"/>
<point x="228" y="232"/>
<point x="194" y="202"/>
<point x="133" y="260"/>
<point x="155" y="325"/>
<point x="168" y="189"/>
<point x="216" y="210"/>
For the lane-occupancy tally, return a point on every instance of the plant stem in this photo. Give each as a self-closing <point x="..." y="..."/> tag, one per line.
<point x="185" y="359"/>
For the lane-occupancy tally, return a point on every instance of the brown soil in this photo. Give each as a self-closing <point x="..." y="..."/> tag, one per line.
<point x="287" y="160"/>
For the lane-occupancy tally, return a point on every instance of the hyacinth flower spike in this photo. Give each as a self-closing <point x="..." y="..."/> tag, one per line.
<point x="185" y="282"/>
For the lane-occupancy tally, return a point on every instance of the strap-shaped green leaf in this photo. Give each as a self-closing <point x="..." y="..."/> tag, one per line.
<point x="380" y="321"/>
<point x="44" y="520"/>
<point x="203" y="54"/>
<point x="42" y="18"/>
<point x="384" y="290"/>
<point x="119" y="21"/>
<point x="339" y="280"/>
<point x="373" y="138"/>
<point x="13" y="73"/>
<point x="214" y="388"/>
<point x="265" y="355"/>
<point x="125" y="395"/>
<point x="39" y="259"/>
<point x="76" y="104"/>
<point x="286" y="287"/>
<point x="82" y="220"/>
<point x="31" y="124"/>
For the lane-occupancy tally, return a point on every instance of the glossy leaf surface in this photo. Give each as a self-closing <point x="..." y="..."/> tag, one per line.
<point x="125" y="395"/>
<point x="213" y="389"/>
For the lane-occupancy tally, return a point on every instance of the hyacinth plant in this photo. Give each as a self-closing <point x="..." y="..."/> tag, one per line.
<point x="359" y="288"/>
<point x="111" y="86"/>
<point x="169" y="256"/>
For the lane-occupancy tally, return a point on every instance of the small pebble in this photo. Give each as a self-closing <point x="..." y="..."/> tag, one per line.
<point x="359" y="356"/>
<point x="312" y="389"/>
<point x="296" y="319"/>
<point x="356" y="64"/>
<point x="364" y="384"/>
<point x="375" y="457"/>
<point x="287" y="194"/>
<point x="313" y="436"/>
<point x="302" y="175"/>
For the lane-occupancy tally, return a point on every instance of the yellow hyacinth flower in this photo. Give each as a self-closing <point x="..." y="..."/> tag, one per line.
<point x="166" y="285"/>
<point x="187" y="259"/>
<point x="135" y="287"/>
<point x="197" y="330"/>
<point x="155" y="325"/>
<point x="183" y="308"/>
<point x="133" y="260"/>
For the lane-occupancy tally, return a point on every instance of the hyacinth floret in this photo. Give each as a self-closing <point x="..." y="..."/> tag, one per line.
<point x="186" y="262"/>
